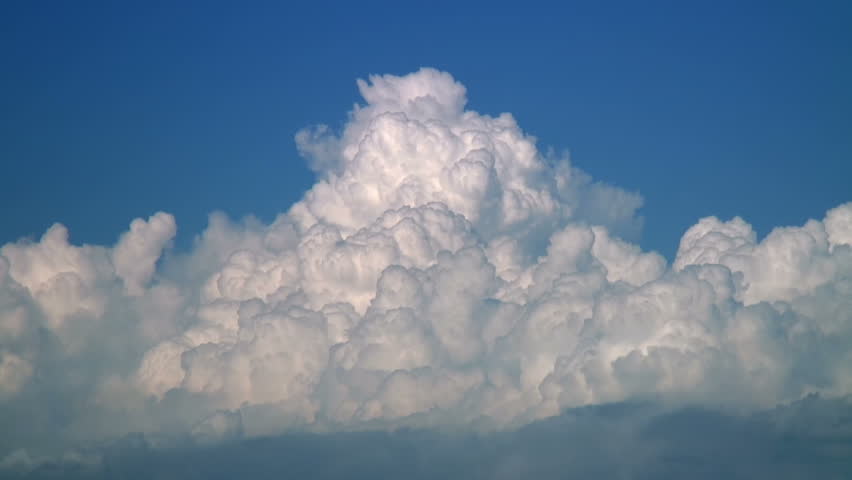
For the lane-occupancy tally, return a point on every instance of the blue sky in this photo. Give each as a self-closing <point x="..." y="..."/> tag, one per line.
<point x="110" y="111"/>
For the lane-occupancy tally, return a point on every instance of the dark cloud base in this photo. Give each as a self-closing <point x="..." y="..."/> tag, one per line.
<point x="811" y="439"/>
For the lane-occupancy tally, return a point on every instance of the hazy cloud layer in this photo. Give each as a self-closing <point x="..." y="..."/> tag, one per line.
<point x="809" y="439"/>
<point x="443" y="272"/>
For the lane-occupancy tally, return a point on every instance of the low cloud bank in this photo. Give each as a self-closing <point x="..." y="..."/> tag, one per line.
<point x="811" y="438"/>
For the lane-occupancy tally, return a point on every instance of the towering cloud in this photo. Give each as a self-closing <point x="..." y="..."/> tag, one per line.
<point x="442" y="272"/>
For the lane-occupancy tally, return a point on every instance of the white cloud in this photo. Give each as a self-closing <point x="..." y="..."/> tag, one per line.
<point x="136" y="254"/>
<point x="442" y="271"/>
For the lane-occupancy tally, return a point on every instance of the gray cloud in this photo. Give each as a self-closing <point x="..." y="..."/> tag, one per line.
<point x="811" y="438"/>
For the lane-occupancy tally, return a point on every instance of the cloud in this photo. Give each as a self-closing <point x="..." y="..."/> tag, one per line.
<point x="442" y="273"/>
<point x="811" y="438"/>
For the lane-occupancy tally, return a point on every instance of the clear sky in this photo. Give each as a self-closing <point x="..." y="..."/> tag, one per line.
<point x="113" y="110"/>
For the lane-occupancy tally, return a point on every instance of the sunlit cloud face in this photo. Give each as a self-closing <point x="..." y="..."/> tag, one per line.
<point x="442" y="273"/>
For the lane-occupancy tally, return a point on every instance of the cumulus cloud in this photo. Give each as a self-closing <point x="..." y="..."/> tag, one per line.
<point x="443" y="272"/>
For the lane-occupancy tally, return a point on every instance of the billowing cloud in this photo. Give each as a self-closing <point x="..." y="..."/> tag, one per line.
<point x="442" y="272"/>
